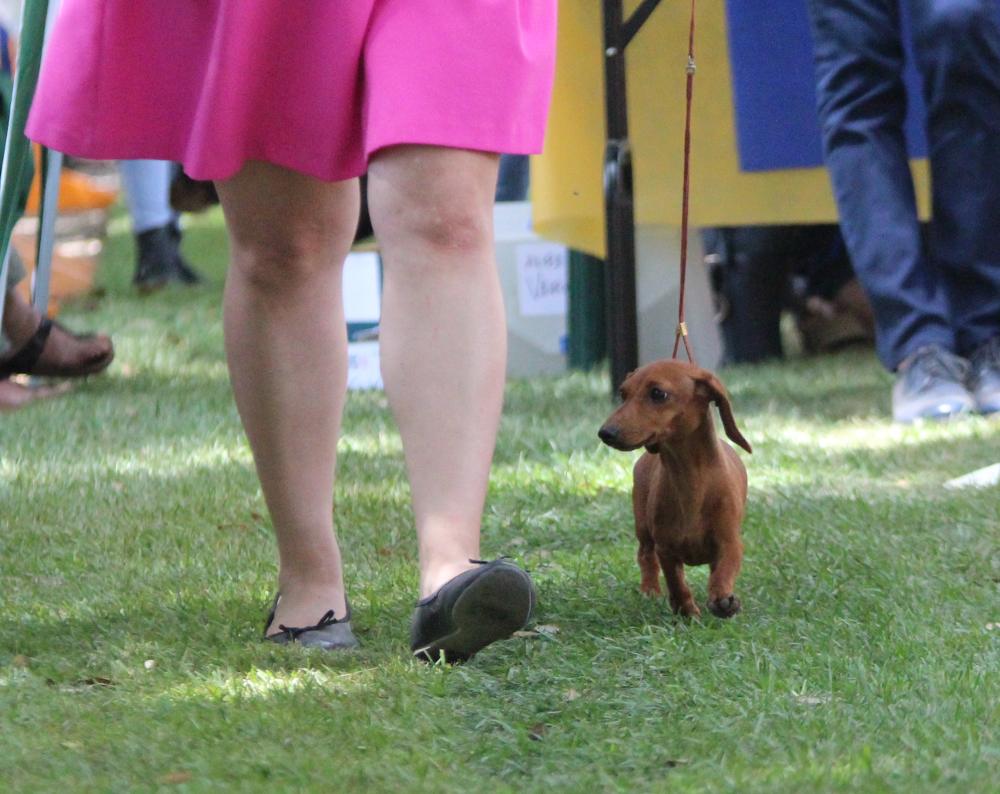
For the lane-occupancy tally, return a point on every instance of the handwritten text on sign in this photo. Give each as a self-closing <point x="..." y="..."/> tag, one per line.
<point x="542" y="279"/>
<point x="363" y="371"/>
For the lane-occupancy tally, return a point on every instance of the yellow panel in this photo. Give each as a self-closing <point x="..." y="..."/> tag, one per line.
<point x="566" y="180"/>
<point x="566" y="189"/>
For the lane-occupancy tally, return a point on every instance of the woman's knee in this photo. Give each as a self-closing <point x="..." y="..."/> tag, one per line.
<point x="285" y="227"/>
<point x="446" y="228"/>
<point x="435" y="200"/>
<point x="283" y="259"/>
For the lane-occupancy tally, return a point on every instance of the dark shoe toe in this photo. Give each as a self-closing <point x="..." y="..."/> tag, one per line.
<point x="185" y="273"/>
<point x="472" y="611"/>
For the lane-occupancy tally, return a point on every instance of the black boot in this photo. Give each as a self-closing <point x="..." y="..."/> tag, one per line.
<point x="160" y="261"/>
<point x="185" y="273"/>
<point x="155" y="266"/>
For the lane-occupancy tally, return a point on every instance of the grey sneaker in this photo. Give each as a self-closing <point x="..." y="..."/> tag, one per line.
<point x="930" y="384"/>
<point x="984" y="379"/>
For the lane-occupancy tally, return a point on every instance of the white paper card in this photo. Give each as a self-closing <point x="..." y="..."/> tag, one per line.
<point x="980" y="478"/>
<point x="361" y="288"/>
<point x="363" y="370"/>
<point x="542" y="279"/>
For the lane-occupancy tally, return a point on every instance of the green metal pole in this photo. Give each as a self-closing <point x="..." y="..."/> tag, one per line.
<point x="17" y="166"/>
<point x="587" y="325"/>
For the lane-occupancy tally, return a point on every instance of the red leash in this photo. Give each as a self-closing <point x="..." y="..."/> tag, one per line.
<point x="682" y="332"/>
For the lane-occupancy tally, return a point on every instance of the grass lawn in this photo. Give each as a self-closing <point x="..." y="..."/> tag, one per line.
<point x="136" y="564"/>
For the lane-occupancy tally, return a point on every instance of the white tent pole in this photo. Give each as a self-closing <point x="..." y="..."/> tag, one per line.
<point x="49" y="210"/>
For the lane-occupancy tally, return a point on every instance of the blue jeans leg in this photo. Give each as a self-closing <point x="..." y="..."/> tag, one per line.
<point x="957" y="46"/>
<point x="862" y="107"/>
<point x="147" y="193"/>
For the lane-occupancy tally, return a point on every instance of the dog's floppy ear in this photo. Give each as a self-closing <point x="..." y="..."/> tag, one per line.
<point x="716" y="393"/>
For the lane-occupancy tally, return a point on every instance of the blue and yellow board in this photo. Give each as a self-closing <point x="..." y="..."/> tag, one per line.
<point x="755" y="152"/>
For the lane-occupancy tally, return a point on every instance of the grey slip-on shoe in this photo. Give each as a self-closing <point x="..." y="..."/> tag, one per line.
<point x="330" y="634"/>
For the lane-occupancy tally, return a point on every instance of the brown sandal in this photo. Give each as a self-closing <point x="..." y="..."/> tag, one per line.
<point x="27" y="360"/>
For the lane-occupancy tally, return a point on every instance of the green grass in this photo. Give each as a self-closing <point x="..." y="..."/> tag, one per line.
<point x="132" y="529"/>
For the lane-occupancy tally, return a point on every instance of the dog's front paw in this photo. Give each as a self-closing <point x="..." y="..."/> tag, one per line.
<point x="724" y="607"/>
<point x="650" y="589"/>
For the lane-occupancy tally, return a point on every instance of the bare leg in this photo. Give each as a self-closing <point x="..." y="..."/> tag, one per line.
<point x="722" y="580"/>
<point x="19" y="319"/>
<point x="287" y="350"/>
<point x="443" y="336"/>
<point x="681" y="599"/>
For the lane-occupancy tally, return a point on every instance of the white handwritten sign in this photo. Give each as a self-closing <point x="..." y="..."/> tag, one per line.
<point x="542" y="279"/>
<point x="361" y="288"/>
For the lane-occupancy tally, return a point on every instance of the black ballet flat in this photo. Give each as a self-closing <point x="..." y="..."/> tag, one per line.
<point x="471" y="611"/>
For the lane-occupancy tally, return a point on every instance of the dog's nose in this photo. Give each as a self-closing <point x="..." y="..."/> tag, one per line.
<point x="609" y="434"/>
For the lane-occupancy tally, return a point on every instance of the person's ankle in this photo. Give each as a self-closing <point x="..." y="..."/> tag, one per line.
<point x="20" y="323"/>
<point x="305" y="600"/>
<point x="434" y="575"/>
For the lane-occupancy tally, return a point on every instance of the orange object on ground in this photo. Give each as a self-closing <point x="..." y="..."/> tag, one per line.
<point x="77" y="192"/>
<point x="74" y="266"/>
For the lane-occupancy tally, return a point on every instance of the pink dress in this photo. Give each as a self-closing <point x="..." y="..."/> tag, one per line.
<point x="316" y="86"/>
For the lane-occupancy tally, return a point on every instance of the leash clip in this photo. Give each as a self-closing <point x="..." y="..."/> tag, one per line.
<point x="682" y="329"/>
<point x="691" y="66"/>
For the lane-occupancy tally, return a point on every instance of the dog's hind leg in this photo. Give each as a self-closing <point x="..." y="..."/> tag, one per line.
<point x="681" y="599"/>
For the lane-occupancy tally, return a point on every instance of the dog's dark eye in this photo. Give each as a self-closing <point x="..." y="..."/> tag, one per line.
<point x="657" y="395"/>
<point x="621" y="395"/>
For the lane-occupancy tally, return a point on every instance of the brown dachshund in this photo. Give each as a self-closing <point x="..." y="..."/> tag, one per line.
<point x="690" y="488"/>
